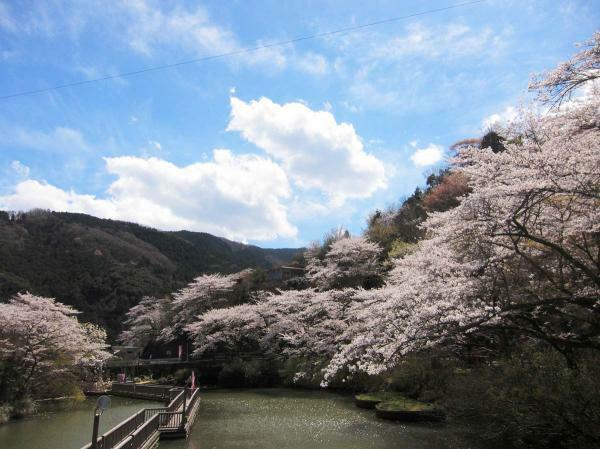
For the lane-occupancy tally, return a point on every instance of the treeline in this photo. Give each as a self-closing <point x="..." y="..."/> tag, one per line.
<point x="103" y="267"/>
<point x="480" y="292"/>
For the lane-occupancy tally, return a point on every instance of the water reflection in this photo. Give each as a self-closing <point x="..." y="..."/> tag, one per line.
<point x="293" y="419"/>
<point x="66" y="424"/>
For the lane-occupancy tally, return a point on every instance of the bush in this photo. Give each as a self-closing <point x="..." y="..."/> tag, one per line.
<point x="297" y="372"/>
<point x="308" y="373"/>
<point x="261" y="373"/>
<point x="233" y="375"/>
<point x="423" y="377"/>
<point x="166" y="380"/>
<point x="533" y="401"/>
<point x="254" y="373"/>
<point x="5" y="413"/>
<point x="181" y="376"/>
<point x="22" y="408"/>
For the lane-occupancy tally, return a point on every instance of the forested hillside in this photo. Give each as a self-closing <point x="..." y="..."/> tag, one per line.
<point x="103" y="267"/>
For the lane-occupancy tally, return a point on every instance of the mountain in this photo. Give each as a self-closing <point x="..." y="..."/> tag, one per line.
<point x="103" y="267"/>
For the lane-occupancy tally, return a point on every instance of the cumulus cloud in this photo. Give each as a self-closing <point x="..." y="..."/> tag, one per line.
<point x="315" y="150"/>
<point x="506" y="116"/>
<point x="239" y="197"/>
<point x="430" y="155"/>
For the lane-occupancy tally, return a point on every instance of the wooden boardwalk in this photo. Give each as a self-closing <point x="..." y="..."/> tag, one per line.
<point x="216" y="359"/>
<point x="143" y="429"/>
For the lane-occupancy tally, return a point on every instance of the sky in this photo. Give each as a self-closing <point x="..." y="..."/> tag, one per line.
<point x="272" y="147"/>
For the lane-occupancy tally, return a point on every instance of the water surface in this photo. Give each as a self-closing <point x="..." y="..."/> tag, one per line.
<point x="244" y="419"/>
<point x="296" y="419"/>
<point x="66" y="424"/>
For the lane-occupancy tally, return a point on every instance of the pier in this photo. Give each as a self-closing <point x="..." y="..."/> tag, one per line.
<point x="143" y="429"/>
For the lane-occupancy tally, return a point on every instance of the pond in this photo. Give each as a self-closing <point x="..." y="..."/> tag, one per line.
<point x="245" y="419"/>
<point x="298" y="419"/>
<point x="66" y="424"/>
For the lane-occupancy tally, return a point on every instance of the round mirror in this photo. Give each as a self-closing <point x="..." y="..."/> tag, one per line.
<point x="103" y="403"/>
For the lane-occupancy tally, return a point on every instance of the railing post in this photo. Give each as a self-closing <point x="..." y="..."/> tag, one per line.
<point x="183" y="416"/>
<point x="95" y="431"/>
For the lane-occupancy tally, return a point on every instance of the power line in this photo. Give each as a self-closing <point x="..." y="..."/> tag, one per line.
<point x="240" y="51"/>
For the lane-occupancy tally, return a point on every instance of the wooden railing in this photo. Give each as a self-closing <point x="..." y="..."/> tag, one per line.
<point x="190" y="413"/>
<point x="160" y="392"/>
<point x="218" y="357"/>
<point x="133" y="432"/>
<point x="115" y="435"/>
<point x="137" y="439"/>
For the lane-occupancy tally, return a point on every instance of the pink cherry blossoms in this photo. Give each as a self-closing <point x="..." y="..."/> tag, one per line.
<point x="41" y="338"/>
<point x="519" y="254"/>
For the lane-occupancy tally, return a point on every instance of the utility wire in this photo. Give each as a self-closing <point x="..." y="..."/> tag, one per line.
<point x="241" y="51"/>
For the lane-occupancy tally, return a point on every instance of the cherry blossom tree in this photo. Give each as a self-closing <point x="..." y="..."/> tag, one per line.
<point x="519" y="254"/>
<point x="165" y="319"/>
<point x="557" y="86"/>
<point x="206" y="292"/>
<point x="40" y="339"/>
<point x="349" y="262"/>
<point x="146" y="321"/>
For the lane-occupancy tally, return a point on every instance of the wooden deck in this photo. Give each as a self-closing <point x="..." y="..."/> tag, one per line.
<point x="143" y="429"/>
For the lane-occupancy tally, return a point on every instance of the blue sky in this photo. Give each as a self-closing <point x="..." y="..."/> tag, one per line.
<point x="273" y="147"/>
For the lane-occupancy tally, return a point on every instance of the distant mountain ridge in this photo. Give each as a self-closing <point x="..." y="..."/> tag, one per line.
<point x="103" y="267"/>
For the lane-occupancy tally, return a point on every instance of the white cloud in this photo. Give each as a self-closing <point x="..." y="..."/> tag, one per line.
<point x="430" y="155"/>
<point x="315" y="150"/>
<point x="451" y="41"/>
<point x="506" y="116"/>
<point x="392" y="71"/>
<point x="312" y="63"/>
<point x="150" y="27"/>
<point x="21" y="170"/>
<point x="59" y="140"/>
<point x="239" y="197"/>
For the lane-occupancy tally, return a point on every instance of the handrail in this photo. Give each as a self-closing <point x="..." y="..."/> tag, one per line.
<point x="160" y="392"/>
<point x="126" y="435"/>
<point x="170" y="420"/>
<point x="214" y="357"/>
<point x="140" y="436"/>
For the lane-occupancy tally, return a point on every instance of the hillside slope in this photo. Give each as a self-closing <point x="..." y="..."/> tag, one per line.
<point x="103" y="267"/>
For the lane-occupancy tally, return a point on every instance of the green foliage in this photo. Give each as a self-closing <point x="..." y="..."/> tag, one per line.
<point x="301" y="372"/>
<point x="532" y="400"/>
<point x="17" y="409"/>
<point x="104" y="267"/>
<point x="166" y="380"/>
<point x="400" y="248"/>
<point x="420" y="377"/>
<point x="378" y="396"/>
<point x="319" y="249"/>
<point x="494" y="141"/>
<point x="404" y="404"/>
<point x="181" y="376"/>
<point x="246" y="374"/>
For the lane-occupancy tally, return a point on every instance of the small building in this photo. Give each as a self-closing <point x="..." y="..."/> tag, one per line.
<point x="284" y="273"/>
<point x="127" y="352"/>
